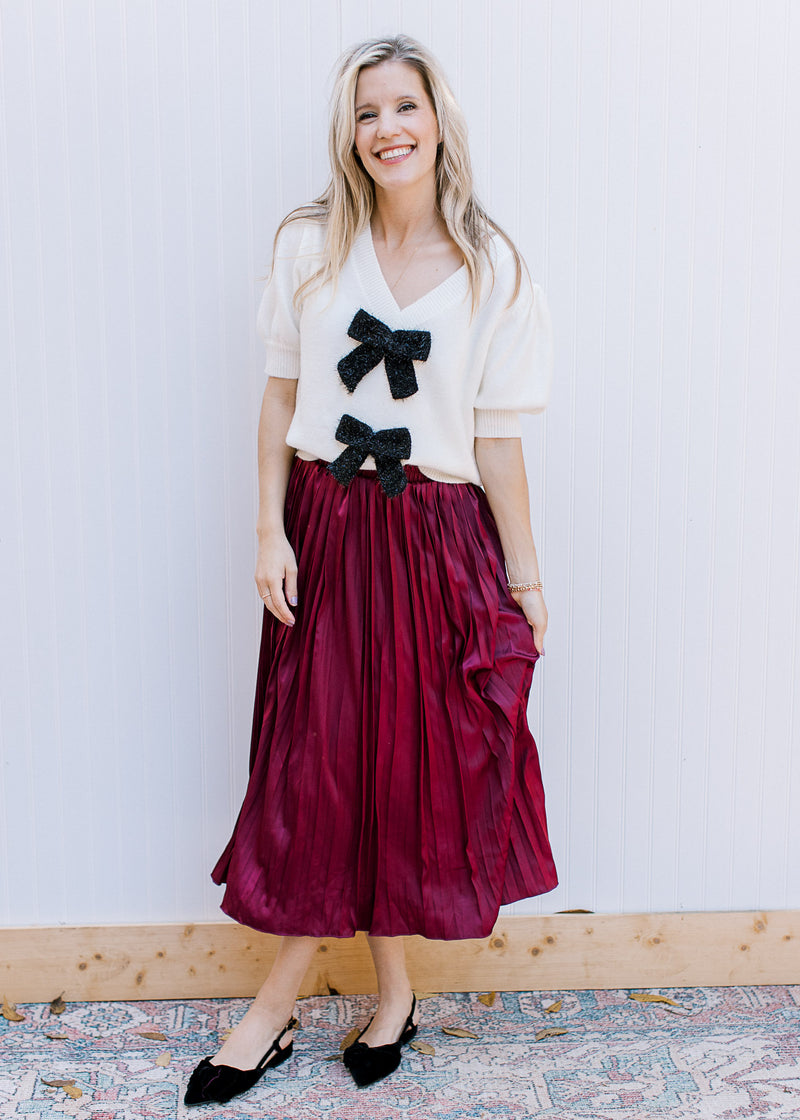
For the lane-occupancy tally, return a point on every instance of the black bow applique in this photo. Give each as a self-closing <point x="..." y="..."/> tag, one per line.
<point x="387" y="446"/>
<point x="399" y="350"/>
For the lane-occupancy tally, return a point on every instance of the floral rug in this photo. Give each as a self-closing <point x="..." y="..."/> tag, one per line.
<point x="694" y="1054"/>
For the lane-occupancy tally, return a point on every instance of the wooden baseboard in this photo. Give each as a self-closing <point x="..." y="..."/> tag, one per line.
<point x="558" y="951"/>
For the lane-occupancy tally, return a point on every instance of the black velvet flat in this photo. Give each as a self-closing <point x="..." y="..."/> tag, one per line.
<point x="220" y="1083"/>
<point x="368" y="1064"/>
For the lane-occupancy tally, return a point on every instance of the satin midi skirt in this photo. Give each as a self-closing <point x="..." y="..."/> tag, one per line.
<point x="394" y="784"/>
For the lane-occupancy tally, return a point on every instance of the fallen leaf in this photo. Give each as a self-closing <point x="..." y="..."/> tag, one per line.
<point x="73" y="1091"/>
<point x="555" y="1006"/>
<point x="59" y="1083"/>
<point x="156" y="1036"/>
<point x="57" y="1006"/>
<point x="9" y="1011"/>
<point x="423" y="1047"/>
<point x="226" y="1034"/>
<point x="57" y="1037"/>
<point x="459" y="1032"/>
<point x="549" y="1032"/>
<point x="350" y="1037"/>
<point x="649" y="997"/>
<point x="164" y="1058"/>
<point x="488" y="999"/>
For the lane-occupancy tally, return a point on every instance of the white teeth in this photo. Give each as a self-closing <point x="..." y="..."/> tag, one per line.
<point x="393" y="153"/>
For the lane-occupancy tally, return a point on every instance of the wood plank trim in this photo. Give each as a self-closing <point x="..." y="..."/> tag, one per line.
<point x="523" y="953"/>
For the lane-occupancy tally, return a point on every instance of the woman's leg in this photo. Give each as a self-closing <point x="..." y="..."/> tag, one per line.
<point x="272" y="1007"/>
<point x="394" y="991"/>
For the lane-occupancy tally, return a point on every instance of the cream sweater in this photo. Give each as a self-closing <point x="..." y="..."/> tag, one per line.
<point x="472" y="378"/>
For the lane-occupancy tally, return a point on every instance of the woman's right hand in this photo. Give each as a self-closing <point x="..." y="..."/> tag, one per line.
<point x="276" y="576"/>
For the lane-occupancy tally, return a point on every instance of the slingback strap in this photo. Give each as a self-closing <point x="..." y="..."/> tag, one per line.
<point x="410" y="1020"/>
<point x="289" y="1026"/>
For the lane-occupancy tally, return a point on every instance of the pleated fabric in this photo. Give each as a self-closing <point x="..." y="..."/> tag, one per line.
<point x="394" y="784"/>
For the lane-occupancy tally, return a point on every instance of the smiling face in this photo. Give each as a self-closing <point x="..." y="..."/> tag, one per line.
<point x="396" y="128"/>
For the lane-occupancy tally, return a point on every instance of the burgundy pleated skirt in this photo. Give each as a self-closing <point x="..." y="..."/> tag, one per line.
<point x="394" y="784"/>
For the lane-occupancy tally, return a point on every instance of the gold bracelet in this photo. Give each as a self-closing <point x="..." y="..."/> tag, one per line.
<point x="535" y="586"/>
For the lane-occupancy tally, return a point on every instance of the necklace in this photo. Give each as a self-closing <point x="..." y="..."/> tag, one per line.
<point x="406" y="266"/>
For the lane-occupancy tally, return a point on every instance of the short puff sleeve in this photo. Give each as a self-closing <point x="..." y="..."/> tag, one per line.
<point x="278" y="321"/>
<point x="519" y="365"/>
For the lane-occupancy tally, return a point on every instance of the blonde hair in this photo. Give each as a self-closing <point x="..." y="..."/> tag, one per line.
<point x="345" y="207"/>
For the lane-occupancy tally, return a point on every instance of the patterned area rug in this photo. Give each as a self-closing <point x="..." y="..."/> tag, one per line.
<point x="720" y="1053"/>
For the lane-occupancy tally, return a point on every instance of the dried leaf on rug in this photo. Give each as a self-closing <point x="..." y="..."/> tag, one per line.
<point x="57" y="1005"/>
<point x="649" y="997"/>
<point x="67" y="1084"/>
<point x="9" y="1011"/>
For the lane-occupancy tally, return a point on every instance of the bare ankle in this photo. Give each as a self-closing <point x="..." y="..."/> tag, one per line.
<point x="396" y="996"/>
<point x="277" y="1011"/>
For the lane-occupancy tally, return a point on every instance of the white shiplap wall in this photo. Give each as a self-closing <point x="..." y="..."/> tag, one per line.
<point x="645" y="157"/>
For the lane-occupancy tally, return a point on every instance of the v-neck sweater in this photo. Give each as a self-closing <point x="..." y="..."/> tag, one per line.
<point x="481" y="372"/>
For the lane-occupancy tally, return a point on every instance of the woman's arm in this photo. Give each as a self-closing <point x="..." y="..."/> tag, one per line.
<point x="276" y="566"/>
<point x="502" y="471"/>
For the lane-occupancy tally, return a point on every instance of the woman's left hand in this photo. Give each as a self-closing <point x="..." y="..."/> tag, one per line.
<point x="533" y="606"/>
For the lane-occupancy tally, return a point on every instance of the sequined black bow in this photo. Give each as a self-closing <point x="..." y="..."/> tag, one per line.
<point x="399" y="350"/>
<point x="387" y="446"/>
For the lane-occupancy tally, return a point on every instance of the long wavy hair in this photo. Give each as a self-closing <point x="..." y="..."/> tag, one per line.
<point x="345" y="207"/>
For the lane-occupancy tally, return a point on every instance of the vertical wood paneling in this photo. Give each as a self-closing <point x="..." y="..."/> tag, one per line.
<point x="643" y="159"/>
<point x="16" y="787"/>
<point x="695" y="483"/>
<point x="786" y="871"/>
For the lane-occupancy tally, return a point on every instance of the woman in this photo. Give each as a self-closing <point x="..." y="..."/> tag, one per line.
<point x="394" y="784"/>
